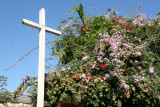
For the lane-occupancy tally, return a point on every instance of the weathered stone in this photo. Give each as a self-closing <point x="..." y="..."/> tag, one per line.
<point x="1" y="105"/>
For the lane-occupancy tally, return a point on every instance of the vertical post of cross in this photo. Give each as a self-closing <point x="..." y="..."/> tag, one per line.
<point x="41" y="65"/>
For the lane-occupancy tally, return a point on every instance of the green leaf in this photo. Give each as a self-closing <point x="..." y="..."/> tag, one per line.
<point x="71" y="11"/>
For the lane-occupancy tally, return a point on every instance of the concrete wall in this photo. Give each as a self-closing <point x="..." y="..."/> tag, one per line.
<point x="15" y="105"/>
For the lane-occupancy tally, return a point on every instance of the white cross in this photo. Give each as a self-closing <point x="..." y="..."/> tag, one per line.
<point x="41" y="66"/>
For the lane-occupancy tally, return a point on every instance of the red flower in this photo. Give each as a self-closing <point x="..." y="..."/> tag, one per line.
<point x="70" y="77"/>
<point x="105" y="42"/>
<point x="122" y="25"/>
<point x="89" y="76"/>
<point x="87" y="29"/>
<point x="109" y="9"/>
<point x="102" y="78"/>
<point x="114" y="13"/>
<point x="118" y="96"/>
<point x="76" y="77"/>
<point x="129" y="28"/>
<point x="113" y="20"/>
<point x="126" y="71"/>
<point x="102" y="66"/>
<point x="117" y="18"/>
<point x="83" y="26"/>
<point x="110" y="82"/>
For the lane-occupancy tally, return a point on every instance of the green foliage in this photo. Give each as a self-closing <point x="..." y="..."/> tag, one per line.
<point x="80" y="11"/>
<point x="33" y="90"/>
<point x="107" y="61"/>
<point x="158" y="13"/>
<point x="85" y="81"/>
<point x="3" y="83"/>
<point x="5" y="96"/>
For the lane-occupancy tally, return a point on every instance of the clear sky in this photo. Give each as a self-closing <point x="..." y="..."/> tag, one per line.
<point x="17" y="39"/>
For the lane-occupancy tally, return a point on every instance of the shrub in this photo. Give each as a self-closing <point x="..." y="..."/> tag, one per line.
<point x="107" y="60"/>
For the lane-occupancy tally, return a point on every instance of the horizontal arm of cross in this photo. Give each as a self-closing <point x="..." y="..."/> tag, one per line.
<point x="38" y="26"/>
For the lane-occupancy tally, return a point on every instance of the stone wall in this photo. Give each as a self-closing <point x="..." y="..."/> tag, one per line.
<point x="15" y="105"/>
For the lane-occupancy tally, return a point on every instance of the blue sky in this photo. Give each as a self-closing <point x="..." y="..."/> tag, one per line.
<point x="17" y="39"/>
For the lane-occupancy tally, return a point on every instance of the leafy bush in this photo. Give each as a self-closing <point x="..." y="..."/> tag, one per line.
<point x="5" y="96"/>
<point x="113" y="61"/>
<point x="108" y="60"/>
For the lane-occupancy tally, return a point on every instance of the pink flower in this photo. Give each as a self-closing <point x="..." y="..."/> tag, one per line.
<point x="149" y="23"/>
<point x="69" y="68"/>
<point x="135" y="22"/>
<point x="113" y="74"/>
<point x="36" y="81"/>
<point x="136" y="61"/>
<point x="71" y="21"/>
<point x="52" y="71"/>
<point x="151" y="70"/>
<point x="112" y="54"/>
<point x="93" y="66"/>
<point x="118" y="61"/>
<point x="120" y="85"/>
<point x="107" y="76"/>
<point x="63" y="69"/>
<point x="99" y="59"/>
<point x="100" y="34"/>
<point x="141" y="24"/>
<point x="107" y="59"/>
<point x="107" y="16"/>
<point x="62" y="28"/>
<point x="138" y="53"/>
<point x="96" y="80"/>
<point x="47" y="79"/>
<point x="137" y="80"/>
<point x="85" y="58"/>
<point x="126" y="87"/>
<point x="83" y="75"/>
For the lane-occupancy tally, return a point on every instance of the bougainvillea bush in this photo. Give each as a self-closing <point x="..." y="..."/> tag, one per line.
<point x="106" y="60"/>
